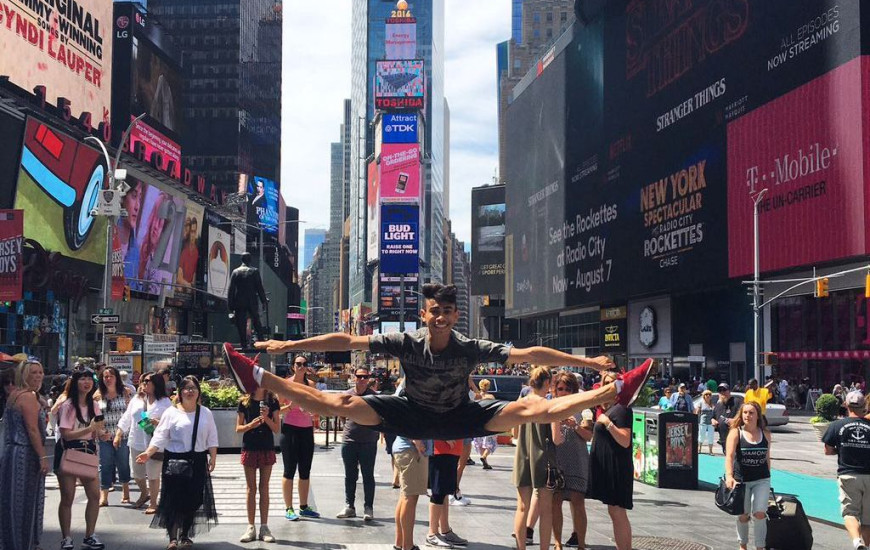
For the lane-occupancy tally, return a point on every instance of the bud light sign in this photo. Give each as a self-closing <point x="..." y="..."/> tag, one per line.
<point x="400" y="128"/>
<point x="399" y="239"/>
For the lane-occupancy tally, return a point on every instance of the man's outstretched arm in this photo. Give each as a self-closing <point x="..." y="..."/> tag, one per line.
<point x="540" y="355"/>
<point x="337" y="341"/>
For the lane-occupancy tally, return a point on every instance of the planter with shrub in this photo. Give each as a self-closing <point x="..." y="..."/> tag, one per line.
<point x="827" y="411"/>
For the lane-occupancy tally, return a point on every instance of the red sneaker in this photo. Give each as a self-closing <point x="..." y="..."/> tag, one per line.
<point x="242" y="368"/>
<point x="632" y="382"/>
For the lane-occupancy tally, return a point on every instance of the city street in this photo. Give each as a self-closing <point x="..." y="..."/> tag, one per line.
<point x="659" y="514"/>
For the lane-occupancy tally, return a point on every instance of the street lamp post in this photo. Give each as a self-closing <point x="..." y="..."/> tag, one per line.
<point x="756" y="284"/>
<point x="115" y="175"/>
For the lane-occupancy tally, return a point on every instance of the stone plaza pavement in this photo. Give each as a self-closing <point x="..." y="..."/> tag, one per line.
<point x="688" y="516"/>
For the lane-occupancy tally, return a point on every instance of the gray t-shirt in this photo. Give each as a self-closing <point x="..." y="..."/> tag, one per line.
<point x="355" y="433"/>
<point x="437" y="383"/>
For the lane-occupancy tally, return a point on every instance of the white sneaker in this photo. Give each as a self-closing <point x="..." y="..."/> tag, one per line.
<point x="250" y="534"/>
<point x="67" y="544"/>
<point x="266" y="534"/>
<point x="348" y="512"/>
<point x="436" y="541"/>
<point x="368" y="513"/>
<point x="462" y="501"/>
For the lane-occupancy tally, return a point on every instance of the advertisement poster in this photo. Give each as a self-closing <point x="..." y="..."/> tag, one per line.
<point x="373" y="210"/>
<point x="811" y="161"/>
<point x="400" y="128"/>
<point x="157" y="82"/>
<point x="58" y="186"/>
<point x="118" y="281"/>
<point x="188" y="261"/>
<point x="401" y="38"/>
<point x="218" y="266"/>
<point x="161" y="222"/>
<point x="487" y="240"/>
<point x="679" y="447"/>
<point x="400" y="239"/>
<point x="193" y="358"/>
<point x="400" y="85"/>
<point x="11" y="254"/>
<point x="390" y="296"/>
<point x="127" y="227"/>
<point x="263" y="200"/>
<point x="150" y="141"/>
<point x="64" y="46"/>
<point x="400" y="172"/>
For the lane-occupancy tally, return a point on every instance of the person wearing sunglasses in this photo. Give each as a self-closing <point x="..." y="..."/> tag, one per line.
<point x="297" y="447"/>
<point x="358" y="452"/>
<point x="437" y="361"/>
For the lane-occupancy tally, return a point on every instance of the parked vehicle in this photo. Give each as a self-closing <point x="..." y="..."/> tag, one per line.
<point x="503" y="387"/>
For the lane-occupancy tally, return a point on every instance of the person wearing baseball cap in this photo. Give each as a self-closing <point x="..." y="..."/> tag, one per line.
<point x="849" y="439"/>
<point x="724" y="410"/>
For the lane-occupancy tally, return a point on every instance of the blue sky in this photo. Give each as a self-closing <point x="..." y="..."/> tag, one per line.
<point x="316" y="80"/>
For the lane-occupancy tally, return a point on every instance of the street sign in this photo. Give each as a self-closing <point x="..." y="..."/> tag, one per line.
<point x="110" y="329"/>
<point x="105" y="319"/>
<point x="107" y="311"/>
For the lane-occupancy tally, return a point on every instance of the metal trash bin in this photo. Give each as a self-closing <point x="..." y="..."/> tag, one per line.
<point x="665" y="448"/>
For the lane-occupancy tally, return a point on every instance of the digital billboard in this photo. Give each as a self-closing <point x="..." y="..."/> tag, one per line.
<point x="151" y="141"/>
<point x="400" y="240"/>
<point x="390" y="297"/>
<point x="373" y="210"/>
<point x="655" y="198"/>
<point x="400" y="85"/>
<point x="401" y="38"/>
<point x="161" y="223"/>
<point x="188" y="260"/>
<point x="263" y="200"/>
<point x="218" y="260"/>
<point x="487" y="240"/>
<point x="399" y="128"/>
<point x="63" y="46"/>
<point x="400" y="172"/>
<point x="58" y="184"/>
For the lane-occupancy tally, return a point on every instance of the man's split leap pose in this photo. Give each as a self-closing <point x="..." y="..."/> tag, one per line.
<point x="437" y="362"/>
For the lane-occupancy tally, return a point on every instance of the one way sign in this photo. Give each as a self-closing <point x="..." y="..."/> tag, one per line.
<point x="105" y="319"/>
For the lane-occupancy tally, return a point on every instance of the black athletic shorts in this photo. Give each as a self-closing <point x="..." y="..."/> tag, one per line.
<point x="404" y="418"/>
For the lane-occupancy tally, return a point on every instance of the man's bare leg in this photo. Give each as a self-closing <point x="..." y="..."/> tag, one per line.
<point x="315" y="401"/>
<point x="545" y="411"/>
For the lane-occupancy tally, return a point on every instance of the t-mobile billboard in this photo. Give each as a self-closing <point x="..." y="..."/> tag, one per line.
<point x="400" y="172"/>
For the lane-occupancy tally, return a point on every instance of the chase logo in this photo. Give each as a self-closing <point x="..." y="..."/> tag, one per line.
<point x="400" y="128"/>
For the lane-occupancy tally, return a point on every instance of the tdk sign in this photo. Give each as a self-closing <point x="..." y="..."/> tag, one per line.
<point x="400" y="128"/>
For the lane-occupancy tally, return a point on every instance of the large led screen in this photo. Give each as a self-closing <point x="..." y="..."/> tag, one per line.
<point x="400" y="85"/>
<point x="218" y="262"/>
<point x="487" y="240"/>
<point x="159" y="232"/>
<point x="64" y="46"/>
<point x="188" y="259"/>
<point x="400" y="172"/>
<point x="157" y="86"/>
<point x="373" y="210"/>
<point x="263" y="199"/>
<point x="58" y="184"/>
<point x="400" y="240"/>
<point x="401" y="39"/>
<point x="390" y="297"/>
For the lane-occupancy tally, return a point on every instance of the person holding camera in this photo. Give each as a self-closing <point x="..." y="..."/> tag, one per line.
<point x="258" y="421"/>
<point x="81" y="424"/>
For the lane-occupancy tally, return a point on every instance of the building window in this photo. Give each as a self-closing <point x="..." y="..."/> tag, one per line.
<point x="549" y="17"/>
<point x="536" y="17"/>
<point x="549" y="33"/>
<point x="563" y="17"/>
<point x="537" y="33"/>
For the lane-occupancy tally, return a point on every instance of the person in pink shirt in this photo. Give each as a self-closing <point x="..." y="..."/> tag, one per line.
<point x="81" y="424"/>
<point x="297" y="448"/>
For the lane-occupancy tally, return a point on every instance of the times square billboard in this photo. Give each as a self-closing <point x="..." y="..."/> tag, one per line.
<point x="487" y="240"/>
<point x="400" y="85"/>
<point x="607" y="202"/>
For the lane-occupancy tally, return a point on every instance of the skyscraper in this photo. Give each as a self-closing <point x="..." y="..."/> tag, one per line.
<point x="313" y="239"/>
<point x="232" y="62"/>
<point x="368" y="36"/>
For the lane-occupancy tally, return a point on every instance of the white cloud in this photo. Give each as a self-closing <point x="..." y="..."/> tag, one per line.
<point x="316" y="80"/>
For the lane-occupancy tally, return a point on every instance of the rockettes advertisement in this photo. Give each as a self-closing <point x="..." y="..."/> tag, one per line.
<point x="64" y="46"/>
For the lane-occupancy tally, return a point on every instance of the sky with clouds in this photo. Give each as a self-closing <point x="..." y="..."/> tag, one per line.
<point x="316" y="80"/>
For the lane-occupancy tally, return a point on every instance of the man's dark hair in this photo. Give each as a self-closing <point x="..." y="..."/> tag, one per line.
<point x="246" y="258"/>
<point x="440" y="293"/>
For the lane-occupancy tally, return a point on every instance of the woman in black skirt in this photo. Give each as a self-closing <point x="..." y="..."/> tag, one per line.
<point x="611" y="475"/>
<point x="186" y="503"/>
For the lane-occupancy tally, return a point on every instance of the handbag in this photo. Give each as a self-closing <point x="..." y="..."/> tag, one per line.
<point x="728" y="500"/>
<point x="80" y="462"/>
<point x="181" y="468"/>
<point x="555" y="477"/>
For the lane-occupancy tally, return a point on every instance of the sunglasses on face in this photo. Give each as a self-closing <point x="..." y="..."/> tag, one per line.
<point x="363" y="376"/>
<point x="301" y="364"/>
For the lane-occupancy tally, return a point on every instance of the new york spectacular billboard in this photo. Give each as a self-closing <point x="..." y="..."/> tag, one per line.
<point x="725" y="99"/>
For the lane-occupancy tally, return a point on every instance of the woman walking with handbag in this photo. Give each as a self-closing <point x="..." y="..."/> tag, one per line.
<point x="572" y="458"/>
<point x="24" y="464"/>
<point x="188" y="434"/>
<point x="611" y="472"/>
<point x="114" y="453"/>
<point x="81" y="423"/>
<point x="747" y="461"/>
<point x="139" y="421"/>
<point x="531" y="462"/>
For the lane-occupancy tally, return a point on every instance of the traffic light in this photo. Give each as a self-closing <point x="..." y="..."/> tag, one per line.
<point x="822" y="288"/>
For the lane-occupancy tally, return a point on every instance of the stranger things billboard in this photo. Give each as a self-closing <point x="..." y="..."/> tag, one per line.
<point x="654" y="188"/>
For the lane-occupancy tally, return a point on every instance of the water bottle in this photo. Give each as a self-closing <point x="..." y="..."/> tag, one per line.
<point x="145" y="424"/>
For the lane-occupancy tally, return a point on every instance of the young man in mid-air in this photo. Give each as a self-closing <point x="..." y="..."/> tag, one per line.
<point x="437" y="362"/>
